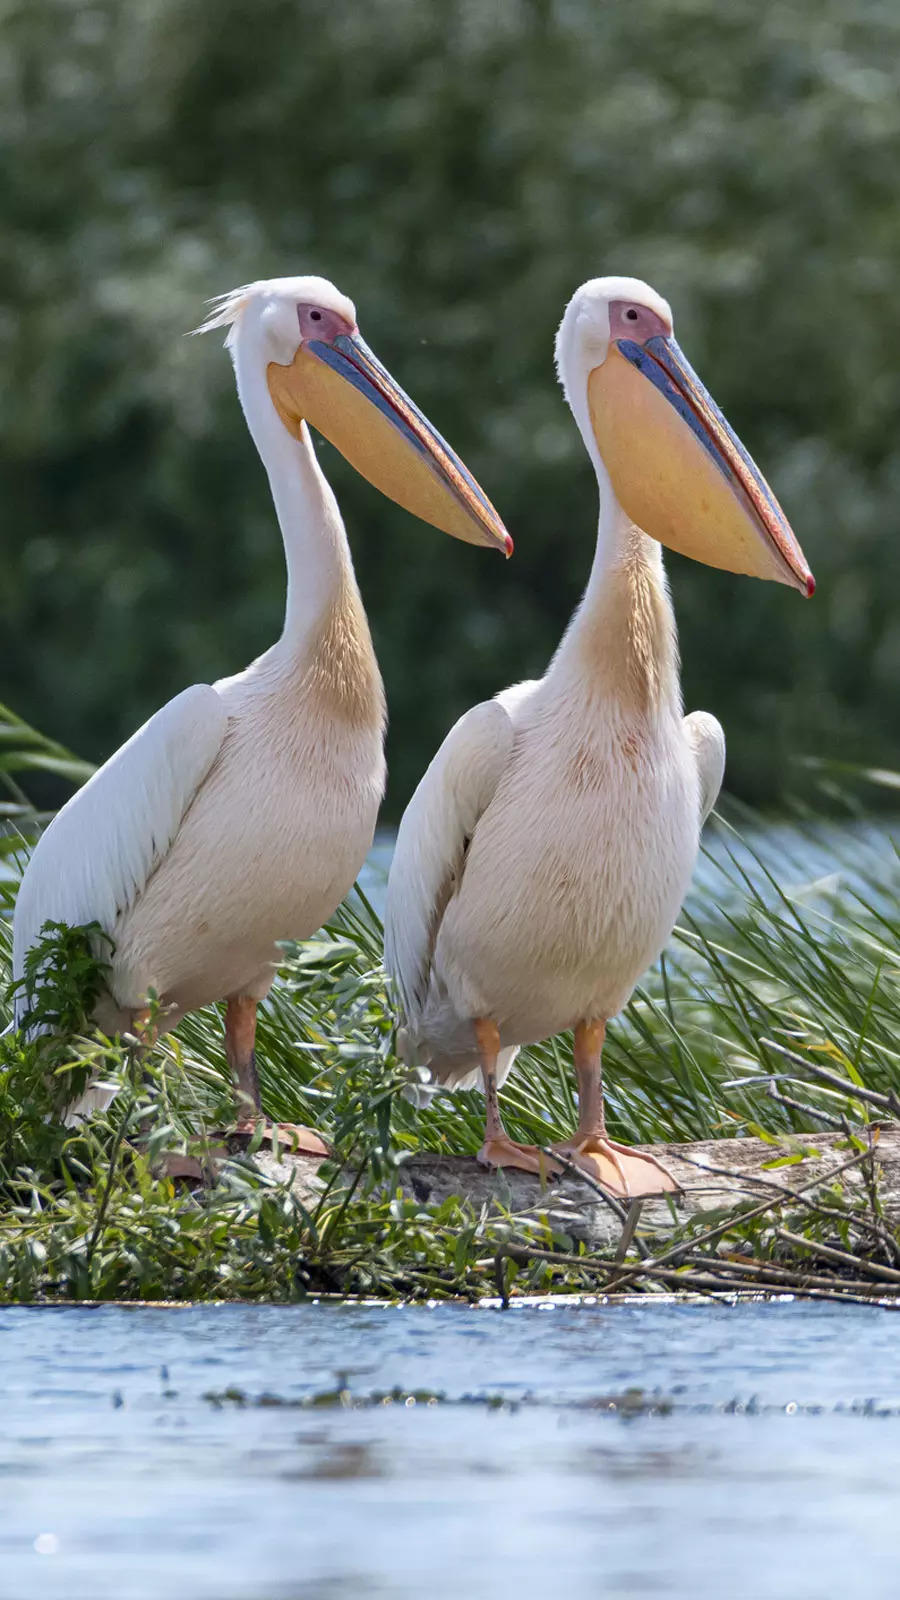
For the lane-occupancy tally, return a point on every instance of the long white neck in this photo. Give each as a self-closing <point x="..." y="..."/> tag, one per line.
<point x="617" y="537"/>
<point x="318" y="556"/>
<point x="621" y="641"/>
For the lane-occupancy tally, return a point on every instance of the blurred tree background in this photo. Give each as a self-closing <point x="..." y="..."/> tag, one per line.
<point x="458" y="168"/>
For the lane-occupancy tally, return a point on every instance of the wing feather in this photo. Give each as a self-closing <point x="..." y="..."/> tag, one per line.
<point x="100" y="850"/>
<point x="705" y="736"/>
<point x="431" y="843"/>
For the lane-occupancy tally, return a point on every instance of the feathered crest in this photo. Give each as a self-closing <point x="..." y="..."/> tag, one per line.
<point x="226" y="310"/>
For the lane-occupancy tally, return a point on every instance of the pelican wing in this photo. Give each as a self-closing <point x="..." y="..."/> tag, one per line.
<point x="705" y="736"/>
<point x="99" y="851"/>
<point x="432" y="839"/>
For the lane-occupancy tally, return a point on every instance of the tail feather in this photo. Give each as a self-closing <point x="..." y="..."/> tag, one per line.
<point x="446" y="1073"/>
<point x="95" y="1098"/>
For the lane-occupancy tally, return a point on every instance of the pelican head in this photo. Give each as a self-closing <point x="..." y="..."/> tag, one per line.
<point x="319" y="369"/>
<point x="673" y="463"/>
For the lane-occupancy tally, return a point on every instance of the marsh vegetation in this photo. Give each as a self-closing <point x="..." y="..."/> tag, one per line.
<point x="775" y="1010"/>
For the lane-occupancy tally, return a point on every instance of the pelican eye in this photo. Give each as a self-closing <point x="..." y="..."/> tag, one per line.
<point x="315" y="316"/>
<point x="631" y="314"/>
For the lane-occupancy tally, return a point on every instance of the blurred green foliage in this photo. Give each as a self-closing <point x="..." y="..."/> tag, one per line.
<point x="458" y="168"/>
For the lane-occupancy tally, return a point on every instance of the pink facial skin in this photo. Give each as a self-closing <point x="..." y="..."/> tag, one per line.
<point x="316" y="322"/>
<point x="628" y="320"/>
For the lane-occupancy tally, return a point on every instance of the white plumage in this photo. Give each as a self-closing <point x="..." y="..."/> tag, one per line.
<point x="543" y="858"/>
<point x="542" y="861"/>
<point x="97" y="855"/>
<point x="239" y="815"/>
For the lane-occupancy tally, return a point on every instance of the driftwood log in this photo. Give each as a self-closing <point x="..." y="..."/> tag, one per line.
<point x="713" y="1174"/>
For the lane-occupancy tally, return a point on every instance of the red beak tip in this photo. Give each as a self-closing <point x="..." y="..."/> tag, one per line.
<point x="510" y="547"/>
<point x="810" y="586"/>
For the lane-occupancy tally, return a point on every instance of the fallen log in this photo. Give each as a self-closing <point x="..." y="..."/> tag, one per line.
<point x="714" y="1176"/>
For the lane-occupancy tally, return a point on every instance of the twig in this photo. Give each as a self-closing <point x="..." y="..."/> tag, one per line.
<point x="871" y="1183"/>
<point x="704" y="1282"/>
<point x="787" y="1276"/>
<point x="585" y="1264"/>
<point x="887" y="1102"/>
<point x="866" y="1224"/>
<point x="805" y="1110"/>
<point x="575" y="1171"/>
<point x="745" y="1180"/>
<point x="631" y="1222"/>
<point x="609" y="1200"/>
<point x="843" y="1258"/>
<point x="872" y="1225"/>
<point x="720" y="1285"/>
<point x="677" y="1251"/>
<point x="739" y="1177"/>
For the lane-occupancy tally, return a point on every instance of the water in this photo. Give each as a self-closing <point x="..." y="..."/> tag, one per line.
<point x="759" y="1463"/>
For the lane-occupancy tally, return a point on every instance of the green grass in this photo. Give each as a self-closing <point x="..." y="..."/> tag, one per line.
<point x="755" y="969"/>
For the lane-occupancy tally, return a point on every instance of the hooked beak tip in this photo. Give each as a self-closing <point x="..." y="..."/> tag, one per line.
<point x="510" y="548"/>
<point x="810" y="586"/>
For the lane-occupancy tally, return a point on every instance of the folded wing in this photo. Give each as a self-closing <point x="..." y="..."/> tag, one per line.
<point x="432" y="840"/>
<point x="705" y="736"/>
<point x="100" y="850"/>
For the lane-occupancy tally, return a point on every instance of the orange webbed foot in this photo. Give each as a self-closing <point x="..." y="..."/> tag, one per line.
<point x="501" y="1151"/>
<point x="627" y="1174"/>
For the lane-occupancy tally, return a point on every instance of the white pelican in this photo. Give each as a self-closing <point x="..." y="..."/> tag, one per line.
<point x="241" y="813"/>
<point x="542" y="861"/>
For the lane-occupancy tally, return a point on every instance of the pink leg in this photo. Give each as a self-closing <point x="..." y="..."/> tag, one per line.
<point x="240" y="1048"/>
<point x="499" y="1150"/>
<point x="625" y="1172"/>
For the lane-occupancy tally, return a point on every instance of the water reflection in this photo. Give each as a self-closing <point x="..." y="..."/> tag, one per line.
<point x="639" y="1450"/>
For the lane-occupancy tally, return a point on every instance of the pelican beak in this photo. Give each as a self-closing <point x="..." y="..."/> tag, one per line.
<point x="679" y="471"/>
<point x="343" y="390"/>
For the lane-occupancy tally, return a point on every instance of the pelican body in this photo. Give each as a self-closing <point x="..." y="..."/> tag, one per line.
<point x="541" y="864"/>
<point x="241" y="813"/>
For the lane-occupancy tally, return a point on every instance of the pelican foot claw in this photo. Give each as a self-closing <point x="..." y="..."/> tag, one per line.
<point x="500" y="1151"/>
<point x="627" y="1174"/>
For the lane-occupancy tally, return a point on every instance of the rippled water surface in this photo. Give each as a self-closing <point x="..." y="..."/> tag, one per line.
<point x="760" y="1457"/>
